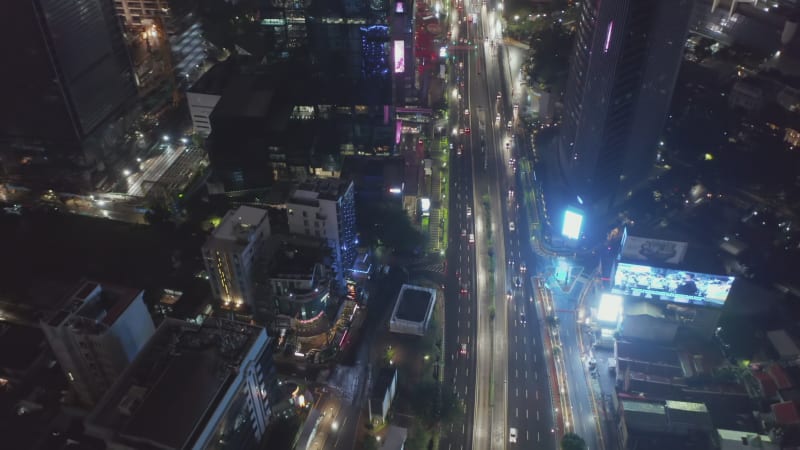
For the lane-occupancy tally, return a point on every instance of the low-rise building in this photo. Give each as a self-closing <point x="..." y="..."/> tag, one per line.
<point x="664" y="425"/>
<point x="745" y="440"/>
<point x="383" y="392"/>
<point x="413" y="310"/>
<point x="192" y="387"/>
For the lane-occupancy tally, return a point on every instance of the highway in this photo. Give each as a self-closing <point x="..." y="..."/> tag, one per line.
<point x="527" y="395"/>
<point x="501" y="372"/>
<point x="460" y="295"/>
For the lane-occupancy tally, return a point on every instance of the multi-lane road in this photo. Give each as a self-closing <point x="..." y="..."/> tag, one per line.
<point x="496" y="359"/>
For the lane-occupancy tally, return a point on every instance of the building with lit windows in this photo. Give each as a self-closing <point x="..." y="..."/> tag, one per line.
<point x="230" y="253"/>
<point x="140" y="13"/>
<point x="403" y="60"/>
<point x="325" y="209"/>
<point x="194" y="386"/>
<point x="622" y="73"/>
<point x="299" y="281"/>
<point x="96" y="333"/>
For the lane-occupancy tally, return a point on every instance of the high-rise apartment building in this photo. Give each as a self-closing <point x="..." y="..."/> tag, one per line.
<point x="230" y="253"/>
<point x="72" y="73"/>
<point x="325" y="208"/>
<point x="96" y="334"/>
<point x="625" y="62"/>
<point x="208" y="386"/>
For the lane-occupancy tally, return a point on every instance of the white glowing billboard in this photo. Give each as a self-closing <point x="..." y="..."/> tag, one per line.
<point x="610" y="308"/>
<point x="425" y="204"/>
<point x="573" y="221"/>
<point x="399" y="57"/>
<point x="679" y="286"/>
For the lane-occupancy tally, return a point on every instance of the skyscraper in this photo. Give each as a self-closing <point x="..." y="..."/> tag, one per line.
<point x="624" y="66"/>
<point x="71" y="73"/>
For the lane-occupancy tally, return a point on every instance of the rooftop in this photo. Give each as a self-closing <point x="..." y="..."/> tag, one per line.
<point x="413" y="303"/>
<point x="311" y="191"/>
<point x="240" y="223"/>
<point x="786" y="413"/>
<point x="181" y="375"/>
<point x="100" y="304"/>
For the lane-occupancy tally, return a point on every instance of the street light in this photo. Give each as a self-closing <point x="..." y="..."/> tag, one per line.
<point x="126" y="172"/>
<point x="165" y="138"/>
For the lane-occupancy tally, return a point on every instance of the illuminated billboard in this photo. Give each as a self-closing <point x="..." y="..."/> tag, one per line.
<point x="573" y="221"/>
<point x="399" y="57"/>
<point x="609" y="309"/>
<point x="671" y="285"/>
<point x="425" y="204"/>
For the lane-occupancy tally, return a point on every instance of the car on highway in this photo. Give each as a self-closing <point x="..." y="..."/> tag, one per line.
<point x="460" y="149"/>
<point x="511" y="226"/>
<point x="458" y="274"/>
<point x="467" y="130"/>
<point x="464" y="288"/>
<point x="497" y="118"/>
<point x="522" y="318"/>
<point x="512" y="435"/>
<point x="509" y="125"/>
<point x="466" y="112"/>
<point x="464" y="349"/>
<point x="499" y="95"/>
<point x="511" y="162"/>
<point x="463" y="232"/>
<point x="509" y="295"/>
<point x="511" y="193"/>
<point x="516" y="107"/>
<point x="518" y="282"/>
<point x="472" y="238"/>
<point x="469" y="211"/>
<point x="523" y="267"/>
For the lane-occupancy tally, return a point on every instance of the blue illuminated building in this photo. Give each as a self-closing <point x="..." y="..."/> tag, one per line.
<point x="374" y="54"/>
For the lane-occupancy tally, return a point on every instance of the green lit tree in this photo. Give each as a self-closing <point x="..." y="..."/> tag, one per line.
<point x="572" y="441"/>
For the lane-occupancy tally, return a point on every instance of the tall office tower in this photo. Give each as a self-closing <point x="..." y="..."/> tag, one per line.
<point x="325" y="208"/>
<point x="96" y="334"/>
<point x="624" y="66"/>
<point x="71" y="74"/>
<point x="230" y="253"/>
<point x="403" y="66"/>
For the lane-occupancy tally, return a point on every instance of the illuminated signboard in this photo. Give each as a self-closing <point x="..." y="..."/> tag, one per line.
<point x="672" y="285"/>
<point x="425" y="203"/>
<point x="572" y="224"/>
<point x="399" y="57"/>
<point x="399" y="8"/>
<point x="610" y="308"/>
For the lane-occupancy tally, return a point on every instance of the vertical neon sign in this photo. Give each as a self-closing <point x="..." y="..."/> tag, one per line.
<point x="608" y="36"/>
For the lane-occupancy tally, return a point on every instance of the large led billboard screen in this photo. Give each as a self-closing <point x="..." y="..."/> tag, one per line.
<point x="399" y="56"/>
<point x="671" y="285"/>
<point x="573" y="221"/>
